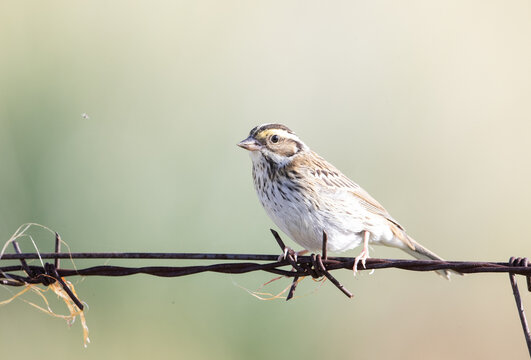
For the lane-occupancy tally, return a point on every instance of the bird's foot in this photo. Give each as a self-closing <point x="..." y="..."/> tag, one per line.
<point x="284" y="254"/>
<point x="364" y="255"/>
<point x="289" y="251"/>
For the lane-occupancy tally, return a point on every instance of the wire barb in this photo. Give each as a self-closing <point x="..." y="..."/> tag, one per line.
<point x="315" y="269"/>
<point x="320" y="269"/>
<point x="512" y="278"/>
<point x="22" y="261"/>
<point x="288" y="255"/>
<point x="332" y="279"/>
<point x="46" y="276"/>
<point x="57" y="249"/>
<point x="51" y="270"/>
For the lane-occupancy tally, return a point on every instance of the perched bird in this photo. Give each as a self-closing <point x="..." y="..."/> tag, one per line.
<point x="305" y="196"/>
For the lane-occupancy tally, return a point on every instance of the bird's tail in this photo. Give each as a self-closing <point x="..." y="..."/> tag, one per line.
<point x="420" y="252"/>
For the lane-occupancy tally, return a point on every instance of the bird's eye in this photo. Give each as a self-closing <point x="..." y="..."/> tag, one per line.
<point x="274" y="139"/>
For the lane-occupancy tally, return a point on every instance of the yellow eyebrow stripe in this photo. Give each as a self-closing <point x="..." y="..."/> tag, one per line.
<point x="266" y="133"/>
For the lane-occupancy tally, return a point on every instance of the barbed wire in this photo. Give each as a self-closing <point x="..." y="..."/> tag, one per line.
<point x="331" y="263"/>
<point x="315" y="265"/>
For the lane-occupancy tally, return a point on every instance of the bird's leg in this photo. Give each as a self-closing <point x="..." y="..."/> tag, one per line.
<point x="364" y="255"/>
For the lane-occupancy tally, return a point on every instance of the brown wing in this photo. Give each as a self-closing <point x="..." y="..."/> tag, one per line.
<point x="370" y="204"/>
<point x="331" y="177"/>
<point x="327" y="176"/>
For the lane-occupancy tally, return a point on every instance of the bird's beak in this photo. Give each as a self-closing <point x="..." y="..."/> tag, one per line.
<point x="250" y="144"/>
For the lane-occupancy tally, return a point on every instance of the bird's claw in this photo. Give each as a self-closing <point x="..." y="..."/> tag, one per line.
<point x="283" y="256"/>
<point x="287" y="251"/>
<point x="363" y="256"/>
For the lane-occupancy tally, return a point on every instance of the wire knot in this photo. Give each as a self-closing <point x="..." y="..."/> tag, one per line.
<point x="47" y="277"/>
<point x="523" y="262"/>
<point x="316" y="268"/>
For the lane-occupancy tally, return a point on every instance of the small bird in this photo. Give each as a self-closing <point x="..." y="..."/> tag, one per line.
<point x="305" y="196"/>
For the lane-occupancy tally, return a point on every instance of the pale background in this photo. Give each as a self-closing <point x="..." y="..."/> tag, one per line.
<point x="426" y="104"/>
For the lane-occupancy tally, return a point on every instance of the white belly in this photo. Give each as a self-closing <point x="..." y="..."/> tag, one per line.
<point x="304" y="223"/>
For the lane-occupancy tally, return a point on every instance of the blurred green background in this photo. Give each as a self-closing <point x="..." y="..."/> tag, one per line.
<point x="426" y="104"/>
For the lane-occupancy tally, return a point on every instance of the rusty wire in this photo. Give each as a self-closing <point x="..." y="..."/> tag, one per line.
<point x="521" y="262"/>
<point x="315" y="266"/>
<point x="331" y="263"/>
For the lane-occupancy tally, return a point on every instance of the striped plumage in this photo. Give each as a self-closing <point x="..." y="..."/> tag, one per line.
<point x="305" y="195"/>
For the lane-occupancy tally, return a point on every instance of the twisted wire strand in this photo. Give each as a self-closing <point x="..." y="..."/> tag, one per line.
<point x="273" y="265"/>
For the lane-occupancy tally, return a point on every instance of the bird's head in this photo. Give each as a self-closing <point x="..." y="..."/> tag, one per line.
<point x="275" y="142"/>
